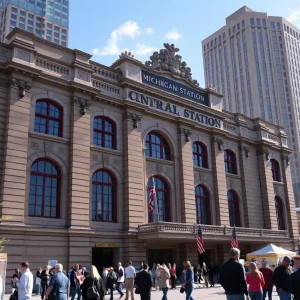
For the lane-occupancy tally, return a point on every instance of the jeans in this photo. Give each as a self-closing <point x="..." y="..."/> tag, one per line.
<point x="188" y="291"/>
<point x="119" y="288"/>
<point x="38" y="289"/>
<point x="283" y="295"/>
<point x="256" y="295"/>
<point x="165" y="292"/>
<point x="75" y="290"/>
<point x="269" y="291"/>
<point x="235" y="297"/>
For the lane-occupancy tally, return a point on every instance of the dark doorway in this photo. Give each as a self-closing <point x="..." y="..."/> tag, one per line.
<point x="102" y="258"/>
<point x="160" y="256"/>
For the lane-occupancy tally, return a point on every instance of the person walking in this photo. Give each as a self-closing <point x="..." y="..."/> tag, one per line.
<point x="74" y="282"/>
<point x="164" y="275"/>
<point x="205" y="274"/>
<point x="91" y="282"/>
<point x="60" y="283"/>
<point x="256" y="282"/>
<point x="111" y="282"/>
<point x="232" y="277"/>
<point x="17" y="274"/>
<point x="157" y="275"/>
<point x="189" y="280"/>
<point x="173" y="276"/>
<point x="295" y="279"/>
<point x="144" y="283"/>
<point x="129" y="280"/>
<point x="153" y="274"/>
<point x="25" y="283"/>
<point x="120" y="281"/>
<point x="104" y="278"/>
<point x="267" y="274"/>
<point x="38" y="281"/>
<point x="211" y="273"/>
<point x="281" y="279"/>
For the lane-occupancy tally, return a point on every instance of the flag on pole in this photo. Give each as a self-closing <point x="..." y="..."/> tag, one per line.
<point x="200" y="241"/>
<point x="152" y="194"/>
<point x="234" y="240"/>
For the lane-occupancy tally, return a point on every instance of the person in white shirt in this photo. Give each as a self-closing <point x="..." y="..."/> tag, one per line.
<point x="120" y="282"/>
<point x="25" y="284"/>
<point x="129" y="280"/>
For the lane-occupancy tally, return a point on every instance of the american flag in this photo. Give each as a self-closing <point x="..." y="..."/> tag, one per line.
<point x="200" y="241"/>
<point x="234" y="240"/>
<point x="152" y="194"/>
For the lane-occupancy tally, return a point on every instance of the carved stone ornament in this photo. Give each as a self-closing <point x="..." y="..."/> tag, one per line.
<point x="263" y="151"/>
<point x="22" y="85"/>
<point x="219" y="142"/>
<point x="83" y="104"/>
<point x="187" y="133"/>
<point x="167" y="60"/>
<point x="126" y="54"/>
<point x="246" y="150"/>
<point x="287" y="160"/>
<point x="136" y="119"/>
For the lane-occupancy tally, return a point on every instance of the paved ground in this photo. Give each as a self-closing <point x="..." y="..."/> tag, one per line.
<point x="216" y="293"/>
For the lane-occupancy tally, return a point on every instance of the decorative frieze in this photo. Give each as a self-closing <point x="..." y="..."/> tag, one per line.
<point x="262" y="151"/>
<point x="187" y="133"/>
<point x="219" y="141"/>
<point x="22" y="85"/>
<point x="136" y="119"/>
<point x="83" y="104"/>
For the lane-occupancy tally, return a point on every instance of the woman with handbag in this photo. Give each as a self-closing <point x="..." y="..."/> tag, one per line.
<point x="92" y="287"/>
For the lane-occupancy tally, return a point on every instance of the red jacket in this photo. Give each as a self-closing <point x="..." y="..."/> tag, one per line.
<point x="267" y="273"/>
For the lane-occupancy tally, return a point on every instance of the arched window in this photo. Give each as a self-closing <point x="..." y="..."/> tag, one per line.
<point x="103" y="197"/>
<point x="234" y="209"/>
<point x="279" y="213"/>
<point x="161" y="197"/>
<point x="105" y="132"/>
<point x="44" y="194"/>
<point x="157" y="146"/>
<point x="230" y="162"/>
<point x="48" y="117"/>
<point x="200" y="155"/>
<point x="202" y="205"/>
<point x="275" y="170"/>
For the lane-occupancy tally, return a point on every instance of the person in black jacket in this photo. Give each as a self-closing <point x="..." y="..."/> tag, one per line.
<point x="232" y="277"/>
<point x="281" y="279"/>
<point x="45" y="280"/>
<point x="144" y="283"/>
<point x="295" y="279"/>
<point x="93" y="279"/>
<point x="111" y="281"/>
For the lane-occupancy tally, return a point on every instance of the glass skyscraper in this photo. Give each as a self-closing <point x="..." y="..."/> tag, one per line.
<point x="48" y="19"/>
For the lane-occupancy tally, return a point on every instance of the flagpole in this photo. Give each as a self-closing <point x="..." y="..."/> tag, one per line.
<point x="156" y="202"/>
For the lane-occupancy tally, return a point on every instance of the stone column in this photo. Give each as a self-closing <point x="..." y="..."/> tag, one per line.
<point x="291" y="222"/>
<point x="80" y="180"/>
<point x="13" y="187"/>
<point x="267" y="189"/>
<point x="188" y="210"/>
<point x="222" y="212"/>
<point x="134" y="191"/>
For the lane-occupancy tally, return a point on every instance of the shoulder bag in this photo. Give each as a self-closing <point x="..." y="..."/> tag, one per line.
<point x="92" y="292"/>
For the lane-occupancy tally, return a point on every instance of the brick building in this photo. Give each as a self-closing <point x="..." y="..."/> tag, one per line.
<point x="81" y="144"/>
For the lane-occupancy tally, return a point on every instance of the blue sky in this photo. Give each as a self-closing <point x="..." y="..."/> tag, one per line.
<point x="106" y="28"/>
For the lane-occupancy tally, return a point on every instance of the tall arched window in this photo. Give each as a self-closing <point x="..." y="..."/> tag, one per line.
<point x="157" y="146"/>
<point x="48" y="117"/>
<point x="279" y="213"/>
<point x="105" y="132"/>
<point x="234" y="209"/>
<point x="275" y="170"/>
<point x="230" y="162"/>
<point x="162" y="198"/>
<point x="200" y="155"/>
<point x="44" y="194"/>
<point x="202" y="205"/>
<point x="104" y="197"/>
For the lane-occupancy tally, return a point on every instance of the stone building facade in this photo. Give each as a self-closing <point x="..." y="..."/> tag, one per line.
<point x="82" y="144"/>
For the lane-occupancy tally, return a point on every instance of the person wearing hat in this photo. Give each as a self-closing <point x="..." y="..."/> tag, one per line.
<point x="295" y="279"/>
<point x="267" y="273"/>
<point x="281" y="279"/>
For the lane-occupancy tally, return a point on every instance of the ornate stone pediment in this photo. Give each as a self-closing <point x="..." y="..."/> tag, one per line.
<point x="167" y="60"/>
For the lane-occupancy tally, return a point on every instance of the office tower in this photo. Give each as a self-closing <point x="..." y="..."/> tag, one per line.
<point x="254" y="61"/>
<point x="48" y="19"/>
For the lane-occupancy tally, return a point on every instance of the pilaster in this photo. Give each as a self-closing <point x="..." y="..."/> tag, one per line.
<point x="222" y="213"/>
<point x="186" y="177"/>
<point x="13" y="187"/>
<point x="80" y="177"/>
<point x="134" y="192"/>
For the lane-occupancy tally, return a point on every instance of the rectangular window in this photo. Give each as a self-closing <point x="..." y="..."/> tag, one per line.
<point x="22" y="26"/>
<point x="56" y="28"/>
<point x="13" y="9"/>
<point x="14" y="17"/>
<point x="64" y="44"/>
<point x="229" y="32"/>
<point x="49" y="38"/>
<point x="243" y="24"/>
<point x="30" y="16"/>
<point x="251" y="21"/>
<point x="272" y="25"/>
<point x="13" y="23"/>
<point x="56" y="41"/>
<point x="38" y="31"/>
<point x="49" y="31"/>
<point x="23" y="13"/>
<point x="64" y="31"/>
<point x="30" y="29"/>
<point x="264" y="22"/>
<point x="278" y="26"/>
<point x="49" y="25"/>
<point x="22" y="19"/>
<point x="56" y="34"/>
<point x="238" y="26"/>
<point x="258" y="21"/>
<point x="233" y="29"/>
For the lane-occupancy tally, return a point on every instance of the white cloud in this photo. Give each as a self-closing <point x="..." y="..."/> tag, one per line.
<point x="294" y="15"/>
<point x="128" y="29"/>
<point x="173" y="34"/>
<point x="149" y="30"/>
<point x="142" y="49"/>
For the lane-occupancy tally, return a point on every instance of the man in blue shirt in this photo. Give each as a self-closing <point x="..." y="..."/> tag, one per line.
<point x="60" y="283"/>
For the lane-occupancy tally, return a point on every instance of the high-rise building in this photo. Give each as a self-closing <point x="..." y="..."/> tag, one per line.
<point x="48" y="19"/>
<point x="254" y="61"/>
